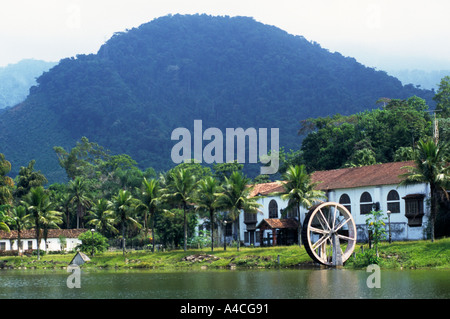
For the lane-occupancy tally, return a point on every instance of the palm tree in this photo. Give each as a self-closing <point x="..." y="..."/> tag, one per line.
<point x="123" y="206"/>
<point x="79" y="195"/>
<point x="180" y="190"/>
<point x="6" y="182"/>
<point x="209" y="192"/>
<point x="64" y="204"/>
<point x="19" y="221"/>
<point x="299" y="191"/>
<point x="150" y="199"/>
<point x="236" y="198"/>
<point x="39" y="208"/>
<point x="431" y="167"/>
<point x="50" y="219"/>
<point x="101" y="216"/>
<point x="4" y="218"/>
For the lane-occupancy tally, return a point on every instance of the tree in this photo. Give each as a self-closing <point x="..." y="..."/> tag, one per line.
<point x="236" y="198"/>
<point x="442" y="98"/>
<point x="6" y="182"/>
<point x="50" y="219"/>
<point x="19" y="221"/>
<point x="180" y="191"/>
<point x="38" y="207"/>
<point x="362" y="157"/>
<point x="123" y="206"/>
<point x="4" y="218"/>
<point x="92" y="242"/>
<point x="431" y="167"/>
<point x="405" y="153"/>
<point x="79" y="195"/>
<point x="209" y="192"/>
<point x="101" y="216"/>
<point x="83" y="159"/>
<point x="222" y="170"/>
<point x="27" y="179"/>
<point x="63" y="201"/>
<point x="150" y="199"/>
<point x="331" y="141"/>
<point x="300" y="191"/>
<point x="375" y="222"/>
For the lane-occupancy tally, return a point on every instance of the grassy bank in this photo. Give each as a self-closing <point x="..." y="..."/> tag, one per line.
<point x="400" y="255"/>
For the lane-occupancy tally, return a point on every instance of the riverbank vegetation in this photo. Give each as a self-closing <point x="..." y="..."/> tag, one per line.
<point x="397" y="255"/>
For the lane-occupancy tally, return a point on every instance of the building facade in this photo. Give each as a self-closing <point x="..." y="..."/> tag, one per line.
<point x="359" y="189"/>
<point x="58" y="240"/>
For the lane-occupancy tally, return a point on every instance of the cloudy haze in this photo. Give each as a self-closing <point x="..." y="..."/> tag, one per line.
<point x="383" y="34"/>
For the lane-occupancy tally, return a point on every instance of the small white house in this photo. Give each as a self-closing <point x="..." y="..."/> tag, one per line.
<point x="359" y="189"/>
<point x="58" y="240"/>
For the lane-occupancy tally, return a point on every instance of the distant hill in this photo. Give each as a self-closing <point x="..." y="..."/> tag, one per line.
<point x="16" y="80"/>
<point x="147" y="81"/>
<point x="425" y="79"/>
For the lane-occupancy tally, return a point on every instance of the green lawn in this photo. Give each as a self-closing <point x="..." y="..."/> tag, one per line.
<point x="406" y="255"/>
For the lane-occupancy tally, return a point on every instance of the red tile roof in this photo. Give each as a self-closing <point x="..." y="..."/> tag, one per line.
<point x="52" y="233"/>
<point x="267" y="188"/>
<point x="373" y="175"/>
<point x="276" y="223"/>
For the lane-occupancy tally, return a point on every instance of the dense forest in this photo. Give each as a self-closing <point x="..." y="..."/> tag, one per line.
<point x="145" y="82"/>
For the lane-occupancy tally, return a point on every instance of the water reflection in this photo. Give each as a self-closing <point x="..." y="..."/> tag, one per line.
<point x="226" y="284"/>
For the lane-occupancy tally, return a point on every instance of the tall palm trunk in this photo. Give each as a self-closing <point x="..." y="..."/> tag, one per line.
<point x="38" y="238"/>
<point x="211" y="218"/>
<point x="153" y="233"/>
<point x="299" y="226"/>
<point x="434" y="204"/>
<point x="123" y="238"/>
<point x="185" y="227"/>
<point x="238" y="233"/>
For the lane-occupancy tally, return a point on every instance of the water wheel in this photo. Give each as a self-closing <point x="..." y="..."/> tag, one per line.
<point x="329" y="228"/>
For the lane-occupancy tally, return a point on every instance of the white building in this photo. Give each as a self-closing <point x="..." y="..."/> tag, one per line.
<point x="359" y="189"/>
<point x="58" y="240"/>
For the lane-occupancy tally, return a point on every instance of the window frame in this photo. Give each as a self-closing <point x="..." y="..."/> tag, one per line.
<point x="393" y="204"/>
<point x="365" y="207"/>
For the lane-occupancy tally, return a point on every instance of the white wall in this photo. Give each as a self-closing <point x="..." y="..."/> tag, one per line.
<point x="53" y="244"/>
<point x="399" y="223"/>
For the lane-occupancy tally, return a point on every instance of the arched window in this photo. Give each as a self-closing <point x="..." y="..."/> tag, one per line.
<point x="393" y="201"/>
<point x="273" y="209"/>
<point x="345" y="201"/>
<point x="365" y="203"/>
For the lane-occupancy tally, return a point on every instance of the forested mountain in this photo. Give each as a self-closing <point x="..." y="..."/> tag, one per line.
<point x="16" y="80"/>
<point x="147" y="81"/>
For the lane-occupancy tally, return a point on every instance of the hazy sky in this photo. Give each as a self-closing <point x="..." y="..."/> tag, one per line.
<point x="386" y="34"/>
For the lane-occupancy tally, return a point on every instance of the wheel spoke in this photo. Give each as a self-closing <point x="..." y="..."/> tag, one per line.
<point x="334" y="216"/>
<point x="318" y="230"/>
<point x="341" y="224"/>
<point x="346" y="237"/>
<point x="324" y="219"/>
<point x="320" y="242"/>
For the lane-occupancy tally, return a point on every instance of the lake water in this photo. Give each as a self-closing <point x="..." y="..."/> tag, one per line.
<point x="225" y="284"/>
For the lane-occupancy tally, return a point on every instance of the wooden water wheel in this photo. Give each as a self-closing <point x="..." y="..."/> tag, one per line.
<point x="329" y="228"/>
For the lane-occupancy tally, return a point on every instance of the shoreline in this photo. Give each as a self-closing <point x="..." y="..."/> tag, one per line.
<point x="398" y="255"/>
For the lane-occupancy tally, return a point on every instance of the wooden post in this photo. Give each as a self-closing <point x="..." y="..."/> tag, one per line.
<point x="274" y="237"/>
<point x="337" y="252"/>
